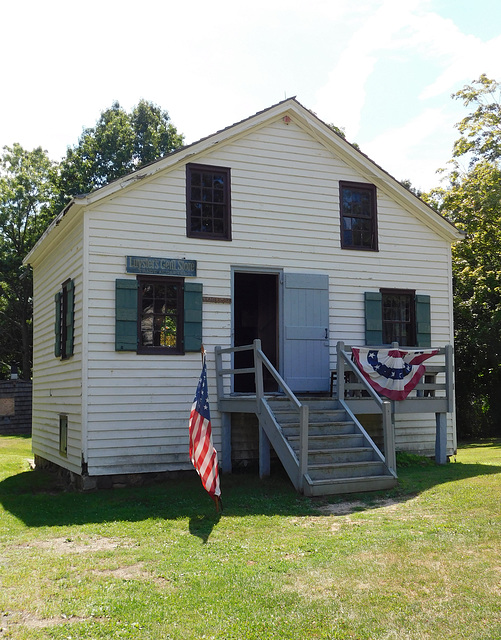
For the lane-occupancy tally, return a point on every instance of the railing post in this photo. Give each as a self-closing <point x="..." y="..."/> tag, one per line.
<point x="441" y="438"/>
<point x="389" y="437"/>
<point x="449" y="377"/>
<point x="258" y="366"/>
<point x="219" y="374"/>
<point x="303" y="443"/>
<point x="264" y="443"/>
<point x="340" y="370"/>
<point x="226" y="442"/>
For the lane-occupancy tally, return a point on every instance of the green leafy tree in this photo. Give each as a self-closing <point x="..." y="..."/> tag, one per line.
<point x="26" y="194"/>
<point x="480" y="130"/>
<point x="118" y="144"/>
<point x="472" y="200"/>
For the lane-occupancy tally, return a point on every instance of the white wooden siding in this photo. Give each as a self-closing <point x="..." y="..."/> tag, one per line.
<point x="285" y="215"/>
<point x="57" y="384"/>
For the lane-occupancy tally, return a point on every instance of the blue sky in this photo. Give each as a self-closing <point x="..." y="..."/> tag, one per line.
<point x="383" y="70"/>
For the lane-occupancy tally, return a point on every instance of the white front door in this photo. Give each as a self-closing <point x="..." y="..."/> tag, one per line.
<point x="306" y="332"/>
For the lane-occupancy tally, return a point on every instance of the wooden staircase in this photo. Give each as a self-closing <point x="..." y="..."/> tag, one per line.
<point x="342" y="458"/>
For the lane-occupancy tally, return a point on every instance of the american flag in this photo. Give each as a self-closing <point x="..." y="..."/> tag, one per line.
<point x="202" y="452"/>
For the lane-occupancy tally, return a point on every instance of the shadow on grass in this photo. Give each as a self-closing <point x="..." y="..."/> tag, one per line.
<point x="35" y="498"/>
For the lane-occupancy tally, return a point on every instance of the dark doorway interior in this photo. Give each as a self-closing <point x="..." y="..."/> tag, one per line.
<point x="256" y="316"/>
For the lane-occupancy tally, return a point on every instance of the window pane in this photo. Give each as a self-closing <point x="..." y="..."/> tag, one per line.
<point x="358" y="213"/>
<point x="209" y="188"/>
<point x="160" y="306"/>
<point x="398" y="318"/>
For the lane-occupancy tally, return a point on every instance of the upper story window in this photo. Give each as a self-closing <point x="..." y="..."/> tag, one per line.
<point x="399" y="316"/>
<point x="208" y="202"/>
<point x="160" y="317"/>
<point x="358" y="216"/>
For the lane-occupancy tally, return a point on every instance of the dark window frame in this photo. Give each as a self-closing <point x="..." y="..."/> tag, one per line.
<point x="345" y="215"/>
<point x="178" y="348"/>
<point x="410" y="294"/>
<point x="216" y="210"/>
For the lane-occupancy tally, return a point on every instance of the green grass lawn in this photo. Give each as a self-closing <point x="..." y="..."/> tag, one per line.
<point x="157" y="562"/>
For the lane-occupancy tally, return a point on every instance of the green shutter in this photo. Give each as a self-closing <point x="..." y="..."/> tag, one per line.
<point x="192" y="316"/>
<point x="423" y="321"/>
<point x="57" y="325"/>
<point x="69" y="319"/>
<point x="373" y="318"/>
<point x="125" y="315"/>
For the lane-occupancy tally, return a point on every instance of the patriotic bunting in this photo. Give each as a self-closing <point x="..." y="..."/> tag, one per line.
<point x="202" y="452"/>
<point x="393" y="373"/>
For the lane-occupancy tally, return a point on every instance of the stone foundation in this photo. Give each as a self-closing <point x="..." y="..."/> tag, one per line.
<point x="84" y="482"/>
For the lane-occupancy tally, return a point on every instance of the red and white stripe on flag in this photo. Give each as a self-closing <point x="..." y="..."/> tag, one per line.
<point x="393" y="373"/>
<point x="202" y="452"/>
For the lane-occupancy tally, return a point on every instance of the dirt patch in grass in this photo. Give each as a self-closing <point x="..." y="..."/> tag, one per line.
<point x="13" y="619"/>
<point x="347" y="508"/>
<point x="81" y="545"/>
<point x="133" y="572"/>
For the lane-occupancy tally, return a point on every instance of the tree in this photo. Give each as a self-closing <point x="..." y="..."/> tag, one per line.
<point x="472" y="201"/>
<point x="118" y="144"/>
<point x="481" y="130"/>
<point x="26" y="194"/>
<point x="33" y="190"/>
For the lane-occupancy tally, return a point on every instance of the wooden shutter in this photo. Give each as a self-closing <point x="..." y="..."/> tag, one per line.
<point x="57" y="325"/>
<point x="69" y="318"/>
<point x="423" y="320"/>
<point x="192" y="316"/>
<point x="373" y="318"/>
<point x="125" y="315"/>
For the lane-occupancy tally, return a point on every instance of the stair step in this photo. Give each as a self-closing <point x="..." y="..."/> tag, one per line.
<point x="338" y="456"/>
<point x="314" y="404"/>
<point x="339" y="486"/>
<point x="284" y="417"/>
<point x="333" y="471"/>
<point x="320" y="428"/>
<point x="329" y="440"/>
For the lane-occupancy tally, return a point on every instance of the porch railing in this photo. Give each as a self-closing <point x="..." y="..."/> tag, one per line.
<point x="344" y="362"/>
<point x="434" y="394"/>
<point x="261" y="362"/>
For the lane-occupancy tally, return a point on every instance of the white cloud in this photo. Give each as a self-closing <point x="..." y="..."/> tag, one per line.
<point x="387" y="28"/>
<point x="413" y="146"/>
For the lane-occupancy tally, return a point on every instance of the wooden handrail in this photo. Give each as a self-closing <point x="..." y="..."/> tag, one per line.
<point x="383" y="405"/>
<point x="261" y="360"/>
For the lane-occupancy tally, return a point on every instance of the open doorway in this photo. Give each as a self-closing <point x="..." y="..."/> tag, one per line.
<point x="255" y="316"/>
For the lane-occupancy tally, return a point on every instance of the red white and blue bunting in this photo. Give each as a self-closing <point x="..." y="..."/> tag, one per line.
<point x="393" y="373"/>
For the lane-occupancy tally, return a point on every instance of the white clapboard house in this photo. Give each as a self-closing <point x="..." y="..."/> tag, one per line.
<point x="274" y="229"/>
